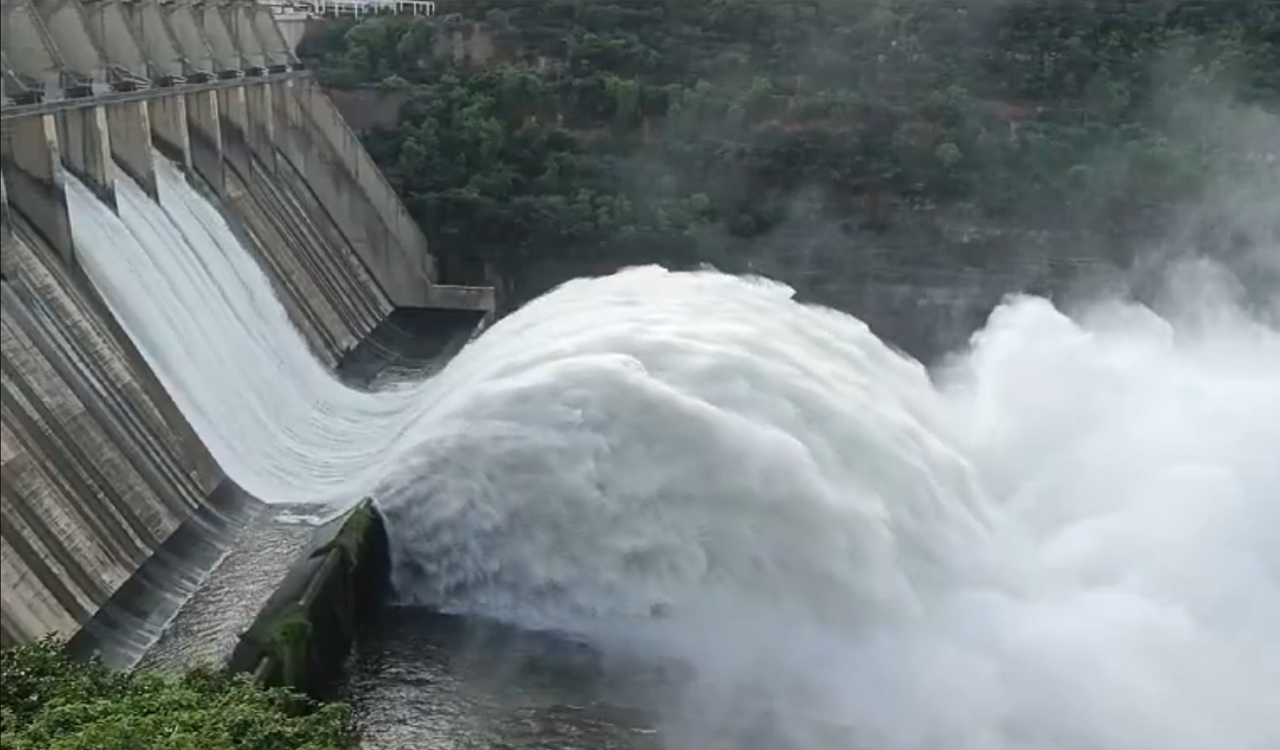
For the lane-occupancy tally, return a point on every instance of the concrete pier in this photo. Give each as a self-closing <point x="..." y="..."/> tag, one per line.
<point x="169" y="128"/>
<point x="99" y="468"/>
<point x="204" y="134"/>
<point x="149" y="29"/>
<point x="108" y="28"/>
<point x="7" y="265"/>
<point x="85" y="145"/>
<point x="31" y="61"/>
<point x="129" y="142"/>
<point x="67" y="28"/>
<point x="31" y="162"/>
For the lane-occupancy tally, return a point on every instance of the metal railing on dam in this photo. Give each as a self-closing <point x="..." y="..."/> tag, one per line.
<point x="18" y="111"/>
<point x="355" y="7"/>
<point x="99" y="469"/>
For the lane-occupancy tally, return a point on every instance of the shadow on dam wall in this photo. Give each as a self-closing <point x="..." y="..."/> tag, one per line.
<point x="113" y="511"/>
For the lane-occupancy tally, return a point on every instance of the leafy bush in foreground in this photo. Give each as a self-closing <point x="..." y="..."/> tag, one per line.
<point x="52" y="702"/>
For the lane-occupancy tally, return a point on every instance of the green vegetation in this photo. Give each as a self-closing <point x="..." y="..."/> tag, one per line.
<point x="289" y="636"/>
<point x="51" y="702"/>
<point x="352" y="537"/>
<point x="554" y="137"/>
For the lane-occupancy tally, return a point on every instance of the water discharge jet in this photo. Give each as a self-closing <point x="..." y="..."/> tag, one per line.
<point x="205" y="317"/>
<point x="1071" y="540"/>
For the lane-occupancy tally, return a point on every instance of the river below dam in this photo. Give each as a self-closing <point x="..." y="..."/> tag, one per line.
<point x="422" y="680"/>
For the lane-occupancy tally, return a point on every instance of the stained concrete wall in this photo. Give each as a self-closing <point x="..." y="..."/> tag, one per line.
<point x="99" y="467"/>
<point x="365" y="109"/>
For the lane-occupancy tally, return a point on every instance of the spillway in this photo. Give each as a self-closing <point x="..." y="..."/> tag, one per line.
<point x="114" y="508"/>
<point x="1066" y="538"/>
<point x="208" y="322"/>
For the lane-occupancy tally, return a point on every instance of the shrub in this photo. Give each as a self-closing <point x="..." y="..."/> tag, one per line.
<point x="53" y="702"/>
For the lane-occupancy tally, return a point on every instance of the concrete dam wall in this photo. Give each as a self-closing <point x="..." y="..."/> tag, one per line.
<point x="99" y="468"/>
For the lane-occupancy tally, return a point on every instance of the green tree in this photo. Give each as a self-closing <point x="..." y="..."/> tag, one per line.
<point x="886" y="115"/>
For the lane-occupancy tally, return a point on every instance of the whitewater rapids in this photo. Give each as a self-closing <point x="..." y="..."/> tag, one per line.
<point x="1069" y="539"/>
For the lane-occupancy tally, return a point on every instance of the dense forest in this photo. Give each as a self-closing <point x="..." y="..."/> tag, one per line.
<point x="813" y="139"/>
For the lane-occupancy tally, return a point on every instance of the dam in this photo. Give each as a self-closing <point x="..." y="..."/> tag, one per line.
<point x="114" y="510"/>
<point x="653" y="510"/>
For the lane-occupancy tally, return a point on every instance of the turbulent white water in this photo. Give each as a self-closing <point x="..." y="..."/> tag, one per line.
<point x="1072" y="542"/>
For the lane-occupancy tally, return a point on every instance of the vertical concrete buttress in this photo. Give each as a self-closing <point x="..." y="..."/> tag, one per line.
<point x="153" y="38"/>
<point x="67" y="27"/>
<point x="233" y="121"/>
<point x="31" y="156"/>
<point x="85" y="142"/>
<point x="28" y="48"/>
<point x="261" y="133"/>
<point x="129" y="126"/>
<point x="226" y="57"/>
<point x="205" y="136"/>
<point x="277" y="51"/>
<point x="169" y="128"/>
<point x="197" y="58"/>
<point x="6" y="231"/>
<point x="109" y="29"/>
<point x="238" y="15"/>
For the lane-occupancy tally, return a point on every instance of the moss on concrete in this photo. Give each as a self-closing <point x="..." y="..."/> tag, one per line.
<point x="304" y="633"/>
<point x="351" y="538"/>
<point x="289" y="634"/>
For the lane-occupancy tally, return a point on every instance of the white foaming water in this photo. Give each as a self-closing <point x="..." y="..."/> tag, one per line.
<point x="205" y="317"/>
<point x="1071" y="543"/>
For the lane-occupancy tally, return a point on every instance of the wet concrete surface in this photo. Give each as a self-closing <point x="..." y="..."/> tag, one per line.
<point x="408" y="344"/>
<point x="205" y="630"/>
<point x="255" y="550"/>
